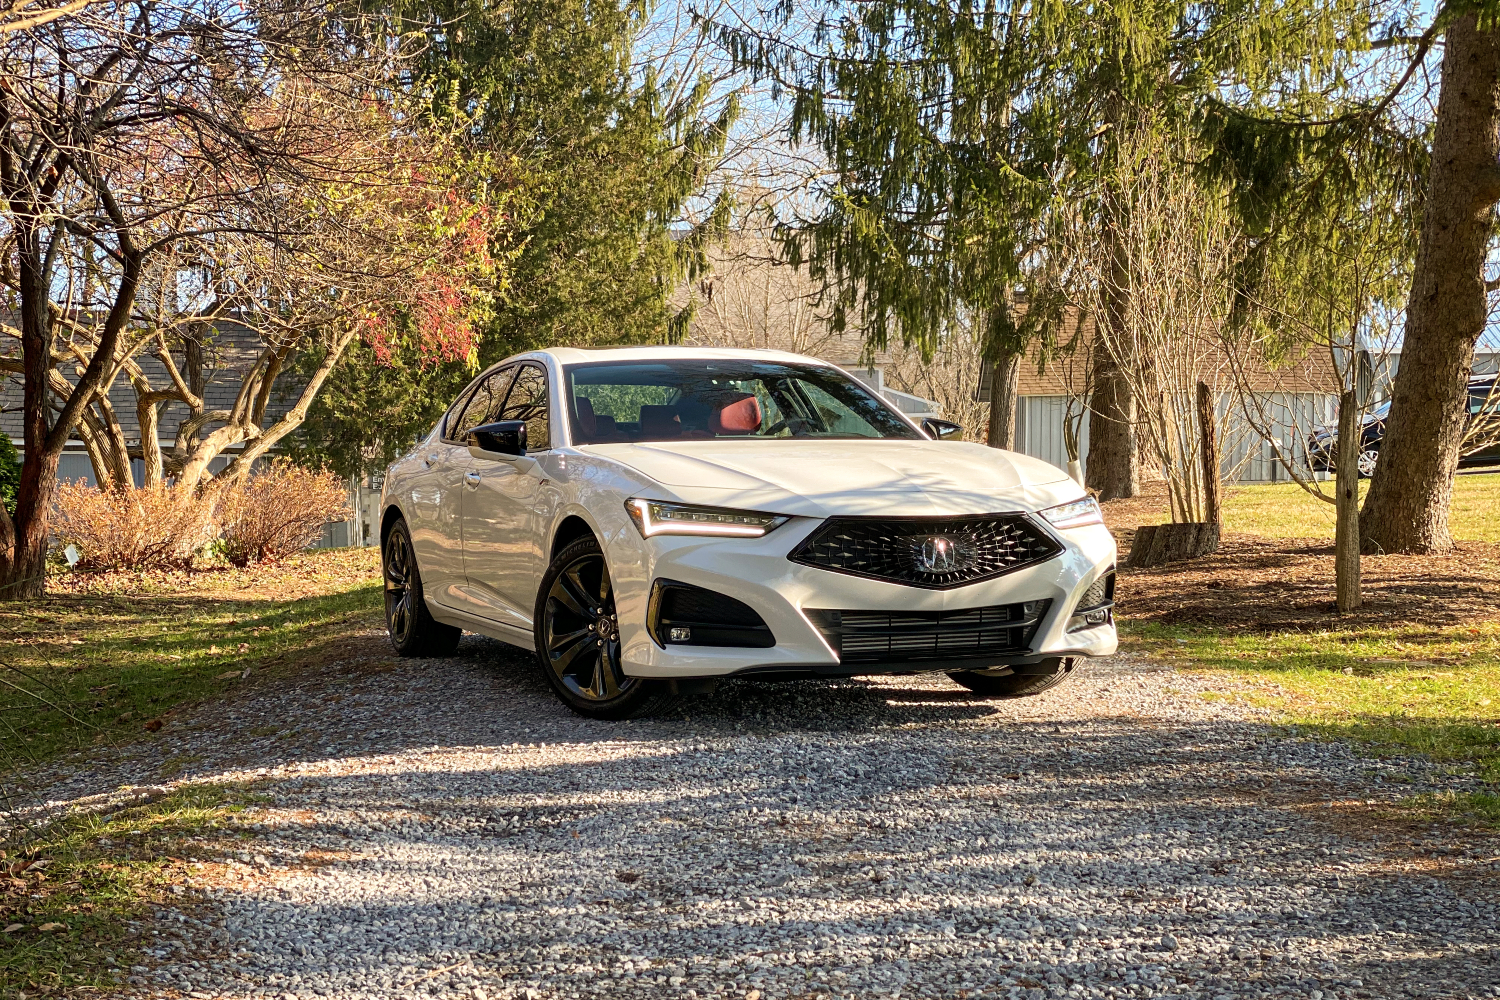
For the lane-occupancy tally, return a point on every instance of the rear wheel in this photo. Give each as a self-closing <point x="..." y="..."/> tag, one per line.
<point x="413" y="630"/>
<point x="578" y="639"/>
<point x="1038" y="678"/>
<point x="1367" y="460"/>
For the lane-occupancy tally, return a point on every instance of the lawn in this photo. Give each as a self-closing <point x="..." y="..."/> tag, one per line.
<point x="1286" y="510"/>
<point x="107" y="656"/>
<point x="1416" y="670"/>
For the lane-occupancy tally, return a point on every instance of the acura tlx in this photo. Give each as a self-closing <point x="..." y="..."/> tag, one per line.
<point x="651" y="520"/>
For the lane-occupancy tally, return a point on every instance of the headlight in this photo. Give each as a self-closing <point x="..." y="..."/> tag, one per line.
<point x="1075" y="514"/>
<point x="653" y="517"/>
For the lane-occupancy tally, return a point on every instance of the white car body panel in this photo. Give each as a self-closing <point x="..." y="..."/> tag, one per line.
<point x="482" y="546"/>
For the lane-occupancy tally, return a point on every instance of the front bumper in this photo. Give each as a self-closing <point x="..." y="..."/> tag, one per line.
<point x="757" y="572"/>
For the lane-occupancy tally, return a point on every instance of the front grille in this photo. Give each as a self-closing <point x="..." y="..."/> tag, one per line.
<point x="886" y="636"/>
<point x="937" y="553"/>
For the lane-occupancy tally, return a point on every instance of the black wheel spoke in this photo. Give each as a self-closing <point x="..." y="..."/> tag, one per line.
<point x="572" y="596"/>
<point x="401" y="613"/>
<point x="606" y="677"/>
<point x="565" y="655"/>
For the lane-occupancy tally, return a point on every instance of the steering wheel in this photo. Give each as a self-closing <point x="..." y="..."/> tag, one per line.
<point x="802" y="423"/>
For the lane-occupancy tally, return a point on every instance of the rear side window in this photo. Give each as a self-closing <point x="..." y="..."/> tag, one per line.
<point x="483" y="404"/>
<point x="528" y="401"/>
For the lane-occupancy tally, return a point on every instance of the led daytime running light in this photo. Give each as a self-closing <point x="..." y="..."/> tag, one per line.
<point x="654" y="517"/>
<point x="1075" y="514"/>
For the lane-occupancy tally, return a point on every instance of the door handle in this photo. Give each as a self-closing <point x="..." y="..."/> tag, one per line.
<point x="472" y="478"/>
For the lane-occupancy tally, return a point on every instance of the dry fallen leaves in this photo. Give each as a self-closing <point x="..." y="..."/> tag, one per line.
<point x="51" y="926"/>
<point x="12" y="928"/>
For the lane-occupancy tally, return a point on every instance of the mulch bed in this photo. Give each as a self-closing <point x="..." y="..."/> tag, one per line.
<point x="1259" y="584"/>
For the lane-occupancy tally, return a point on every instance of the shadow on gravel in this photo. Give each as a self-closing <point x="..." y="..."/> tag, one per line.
<point x="442" y="825"/>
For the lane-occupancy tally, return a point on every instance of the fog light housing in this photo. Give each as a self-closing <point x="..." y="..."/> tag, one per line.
<point x="681" y="635"/>
<point x="1096" y="605"/>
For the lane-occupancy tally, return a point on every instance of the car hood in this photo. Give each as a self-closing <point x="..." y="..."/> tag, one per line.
<point x="821" y="478"/>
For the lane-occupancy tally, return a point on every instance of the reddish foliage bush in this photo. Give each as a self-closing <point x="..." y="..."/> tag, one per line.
<point x="277" y="512"/>
<point x="157" y="526"/>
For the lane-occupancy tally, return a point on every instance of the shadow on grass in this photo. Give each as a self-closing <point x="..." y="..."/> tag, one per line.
<point x="74" y="911"/>
<point x="79" y="670"/>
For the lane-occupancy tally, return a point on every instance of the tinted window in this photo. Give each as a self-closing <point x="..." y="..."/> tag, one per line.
<point x="701" y="398"/>
<point x="528" y="401"/>
<point x="483" y="403"/>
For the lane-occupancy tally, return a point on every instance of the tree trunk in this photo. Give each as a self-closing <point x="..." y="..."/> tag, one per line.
<point x="23" y="539"/>
<point x="1004" y="380"/>
<point x="1346" y="527"/>
<point x="1407" y="507"/>
<point x="1156" y="544"/>
<point x="1213" y="511"/>
<point x="1113" y="471"/>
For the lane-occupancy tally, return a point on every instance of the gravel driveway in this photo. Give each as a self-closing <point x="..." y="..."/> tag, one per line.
<point x="445" y="828"/>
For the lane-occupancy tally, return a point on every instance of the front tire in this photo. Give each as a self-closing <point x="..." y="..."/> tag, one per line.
<point x="1367" y="460"/>
<point x="578" y="639"/>
<point x="1018" y="685"/>
<point x="413" y="630"/>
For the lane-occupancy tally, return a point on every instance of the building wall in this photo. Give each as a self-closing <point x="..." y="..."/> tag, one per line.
<point x="1245" y="457"/>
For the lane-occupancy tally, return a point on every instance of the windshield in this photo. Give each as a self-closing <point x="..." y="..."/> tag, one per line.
<point x="702" y="399"/>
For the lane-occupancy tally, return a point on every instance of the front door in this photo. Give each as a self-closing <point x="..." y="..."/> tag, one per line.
<point x="438" y="491"/>
<point x="507" y="509"/>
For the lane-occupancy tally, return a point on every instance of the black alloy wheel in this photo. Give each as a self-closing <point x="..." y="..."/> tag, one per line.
<point x="413" y="630"/>
<point x="578" y="639"/>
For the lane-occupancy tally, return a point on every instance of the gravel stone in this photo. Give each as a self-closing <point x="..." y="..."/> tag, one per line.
<point x="444" y="828"/>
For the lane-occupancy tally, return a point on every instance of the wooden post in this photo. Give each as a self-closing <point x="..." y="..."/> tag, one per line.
<point x="1213" y="512"/>
<point x="1346" y="568"/>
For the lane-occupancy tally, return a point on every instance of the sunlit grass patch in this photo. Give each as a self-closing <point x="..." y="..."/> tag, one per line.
<point x="1407" y="688"/>
<point x="1285" y="510"/>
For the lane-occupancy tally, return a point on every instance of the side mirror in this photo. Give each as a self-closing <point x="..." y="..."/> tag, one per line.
<point x="942" y="430"/>
<point x="503" y="439"/>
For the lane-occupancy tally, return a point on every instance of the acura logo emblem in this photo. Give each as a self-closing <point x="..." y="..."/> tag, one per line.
<point x="938" y="554"/>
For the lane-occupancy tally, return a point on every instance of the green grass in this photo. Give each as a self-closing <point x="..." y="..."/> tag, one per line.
<point x="1285" y="510"/>
<point x="100" y="658"/>
<point x="91" y="896"/>
<point x="1428" y="690"/>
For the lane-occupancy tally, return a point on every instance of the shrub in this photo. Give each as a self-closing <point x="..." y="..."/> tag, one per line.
<point x="277" y="512"/>
<point x="154" y="526"/>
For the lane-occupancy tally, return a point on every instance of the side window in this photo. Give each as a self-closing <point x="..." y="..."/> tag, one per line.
<point x="483" y="404"/>
<point x="528" y="402"/>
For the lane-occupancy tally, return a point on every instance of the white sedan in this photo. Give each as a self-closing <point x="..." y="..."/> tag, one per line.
<point x="650" y="520"/>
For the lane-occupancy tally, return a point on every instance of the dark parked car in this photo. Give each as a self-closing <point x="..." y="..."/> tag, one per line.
<point x="1482" y="397"/>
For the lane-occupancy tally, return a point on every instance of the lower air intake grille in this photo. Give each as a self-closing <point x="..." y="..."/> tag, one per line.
<point x="684" y="615"/>
<point x="886" y="636"/>
<point x="937" y="553"/>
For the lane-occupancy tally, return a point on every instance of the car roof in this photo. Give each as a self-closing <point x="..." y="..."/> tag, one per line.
<point x="584" y="355"/>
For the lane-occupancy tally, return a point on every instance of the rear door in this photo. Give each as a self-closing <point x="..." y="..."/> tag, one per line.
<point x="505" y="513"/>
<point x="438" y="492"/>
